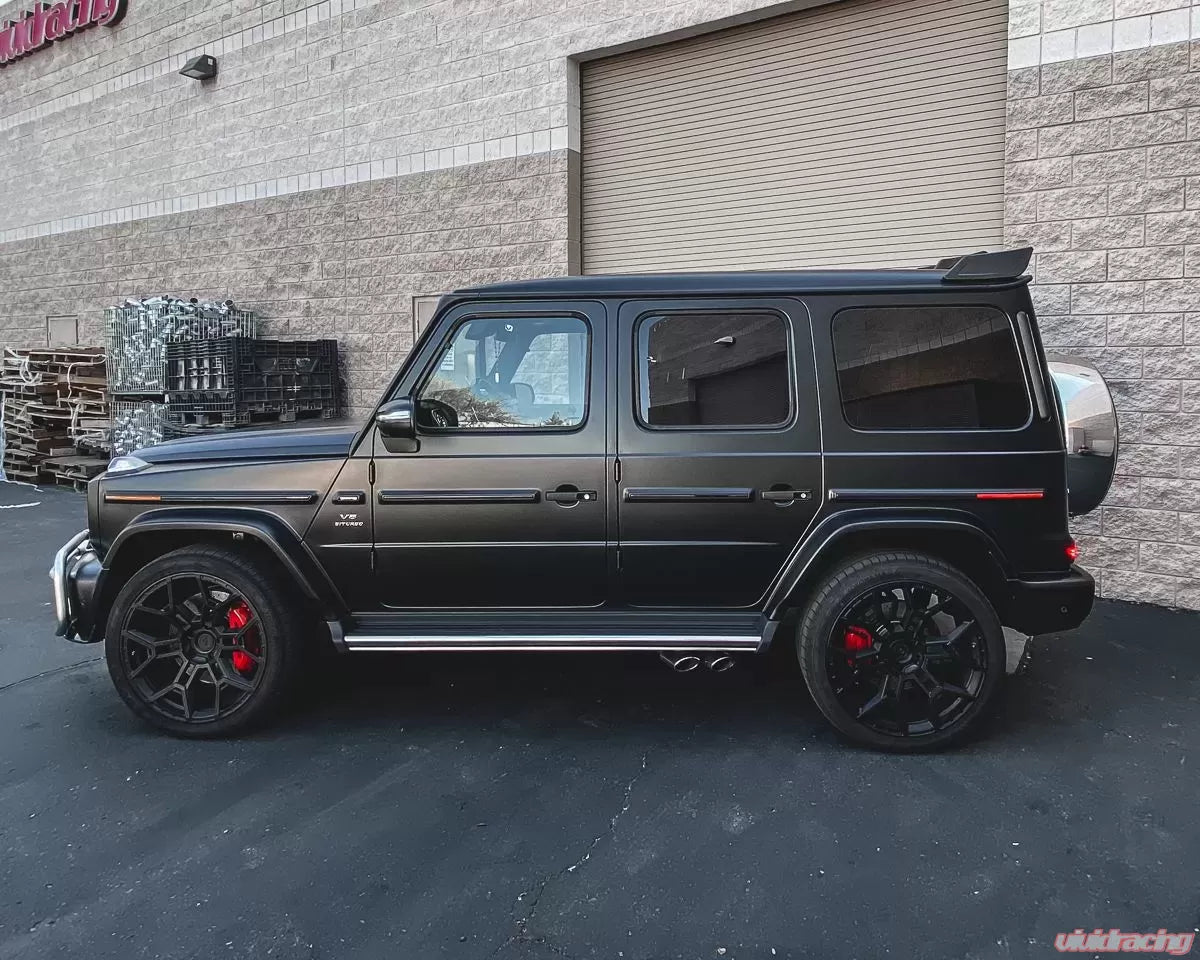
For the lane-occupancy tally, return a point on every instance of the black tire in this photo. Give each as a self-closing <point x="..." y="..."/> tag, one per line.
<point x="958" y="673"/>
<point x="273" y="632"/>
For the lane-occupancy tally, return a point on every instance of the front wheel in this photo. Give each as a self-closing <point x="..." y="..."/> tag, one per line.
<point x="203" y="643"/>
<point x="901" y="652"/>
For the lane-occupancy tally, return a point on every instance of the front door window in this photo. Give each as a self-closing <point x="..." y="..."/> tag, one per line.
<point x="525" y="373"/>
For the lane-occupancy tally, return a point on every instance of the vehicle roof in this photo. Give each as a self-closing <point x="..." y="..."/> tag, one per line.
<point x="783" y="282"/>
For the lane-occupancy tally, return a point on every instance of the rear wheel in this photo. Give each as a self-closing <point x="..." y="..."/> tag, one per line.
<point x="202" y="643"/>
<point x="901" y="652"/>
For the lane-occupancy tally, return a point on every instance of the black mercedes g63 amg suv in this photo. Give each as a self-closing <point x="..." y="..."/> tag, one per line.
<point x="870" y="465"/>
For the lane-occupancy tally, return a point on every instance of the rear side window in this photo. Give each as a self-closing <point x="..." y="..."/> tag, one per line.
<point x="714" y="370"/>
<point x="929" y="368"/>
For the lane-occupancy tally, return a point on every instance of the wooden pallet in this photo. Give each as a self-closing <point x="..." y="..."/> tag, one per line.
<point x="54" y="399"/>
<point x="74" y="471"/>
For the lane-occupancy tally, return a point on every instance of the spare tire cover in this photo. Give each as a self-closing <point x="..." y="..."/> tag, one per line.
<point x="1090" y="426"/>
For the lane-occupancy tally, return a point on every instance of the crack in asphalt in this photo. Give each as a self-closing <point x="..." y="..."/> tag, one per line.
<point x="50" y="673"/>
<point x="534" y="893"/>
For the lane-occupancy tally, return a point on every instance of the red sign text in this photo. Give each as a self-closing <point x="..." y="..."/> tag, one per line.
<point x="36" y="29"/>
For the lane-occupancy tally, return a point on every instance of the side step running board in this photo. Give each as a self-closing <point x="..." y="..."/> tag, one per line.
<point x="550" y="643"/>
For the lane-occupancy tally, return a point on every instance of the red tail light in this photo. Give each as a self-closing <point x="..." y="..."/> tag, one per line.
<point x="1072" y="551"/>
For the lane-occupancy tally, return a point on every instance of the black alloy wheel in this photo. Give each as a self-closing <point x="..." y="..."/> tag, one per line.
<point x="206" y="642"/>
<point x="193" y="648"/>
<point x="901" y="652"/>
<point x="906" y="659"/>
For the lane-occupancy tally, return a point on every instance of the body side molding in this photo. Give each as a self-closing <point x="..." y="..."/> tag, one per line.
<point x="450" y="497"/>
<point x="198" y="497"/>
<point x="875" y="495"/>
<point x="689" y="494"/>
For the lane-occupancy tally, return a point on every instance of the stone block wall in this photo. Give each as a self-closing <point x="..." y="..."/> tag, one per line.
<point x="345" y="262"/>
<point x="1103" y="179"/>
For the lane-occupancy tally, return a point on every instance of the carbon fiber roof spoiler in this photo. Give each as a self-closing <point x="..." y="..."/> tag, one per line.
<point x="983" y="266"/>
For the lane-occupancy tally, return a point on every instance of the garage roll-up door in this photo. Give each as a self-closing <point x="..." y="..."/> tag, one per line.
<point x="867" y="132"/>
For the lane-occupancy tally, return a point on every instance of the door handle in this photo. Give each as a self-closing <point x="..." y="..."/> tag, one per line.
<point x="347" y="497"/>
<point x="568" y="497"/>
<point x="785" y="496"/>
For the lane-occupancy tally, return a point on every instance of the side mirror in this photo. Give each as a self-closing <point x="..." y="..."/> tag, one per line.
<point x="397" y="422"/>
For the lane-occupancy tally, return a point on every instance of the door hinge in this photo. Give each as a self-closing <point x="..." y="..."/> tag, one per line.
<point x="618" y="559"/>
<point x="371" y="472"/>
<point x="617" y="470"/>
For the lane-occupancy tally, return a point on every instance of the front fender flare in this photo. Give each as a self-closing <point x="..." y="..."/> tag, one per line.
<point x="265" y="528"/>
<point x="837" y="529"/>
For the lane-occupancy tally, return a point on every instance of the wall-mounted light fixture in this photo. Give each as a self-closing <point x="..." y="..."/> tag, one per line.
<point x="203" y="67"/>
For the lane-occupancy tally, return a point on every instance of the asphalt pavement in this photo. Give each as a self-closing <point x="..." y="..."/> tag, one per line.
<point x="585" y="806"/>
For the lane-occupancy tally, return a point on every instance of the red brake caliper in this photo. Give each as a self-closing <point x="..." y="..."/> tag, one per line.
<point x="239" y="616"/>
<point x="856" y="640"/>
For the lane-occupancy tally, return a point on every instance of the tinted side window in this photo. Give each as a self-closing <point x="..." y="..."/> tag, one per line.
<point x="929" y="368"/>
<point x="714" y="370"/>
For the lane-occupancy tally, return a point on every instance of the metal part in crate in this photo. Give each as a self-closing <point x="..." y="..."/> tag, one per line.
<point x="137" y="333"/>
<point x="136" y="424"/>
<point x="239" y="380"/>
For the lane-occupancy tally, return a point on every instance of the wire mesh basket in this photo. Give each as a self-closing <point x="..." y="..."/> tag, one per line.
<point x="137" y="424"/>
<point x="137" y="334"/>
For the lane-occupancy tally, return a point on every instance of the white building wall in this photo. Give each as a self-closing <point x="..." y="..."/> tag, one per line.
<point x="1053" y="31"/>
<point x="316" y="95"/>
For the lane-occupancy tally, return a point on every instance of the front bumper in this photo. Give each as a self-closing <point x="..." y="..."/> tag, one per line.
<point x="1050" y="604"/>
<point x="74" y="574"/>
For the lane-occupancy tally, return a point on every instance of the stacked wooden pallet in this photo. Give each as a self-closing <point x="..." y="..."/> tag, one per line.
<point x="55" y="414"/>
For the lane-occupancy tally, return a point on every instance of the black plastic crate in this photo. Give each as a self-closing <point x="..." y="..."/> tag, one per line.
<point x="286" y="358"/>
<point x="238" y="380"/>
<point x="205" y="366"/>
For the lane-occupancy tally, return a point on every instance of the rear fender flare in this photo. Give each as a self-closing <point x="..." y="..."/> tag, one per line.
<point x="834" y="533"/>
